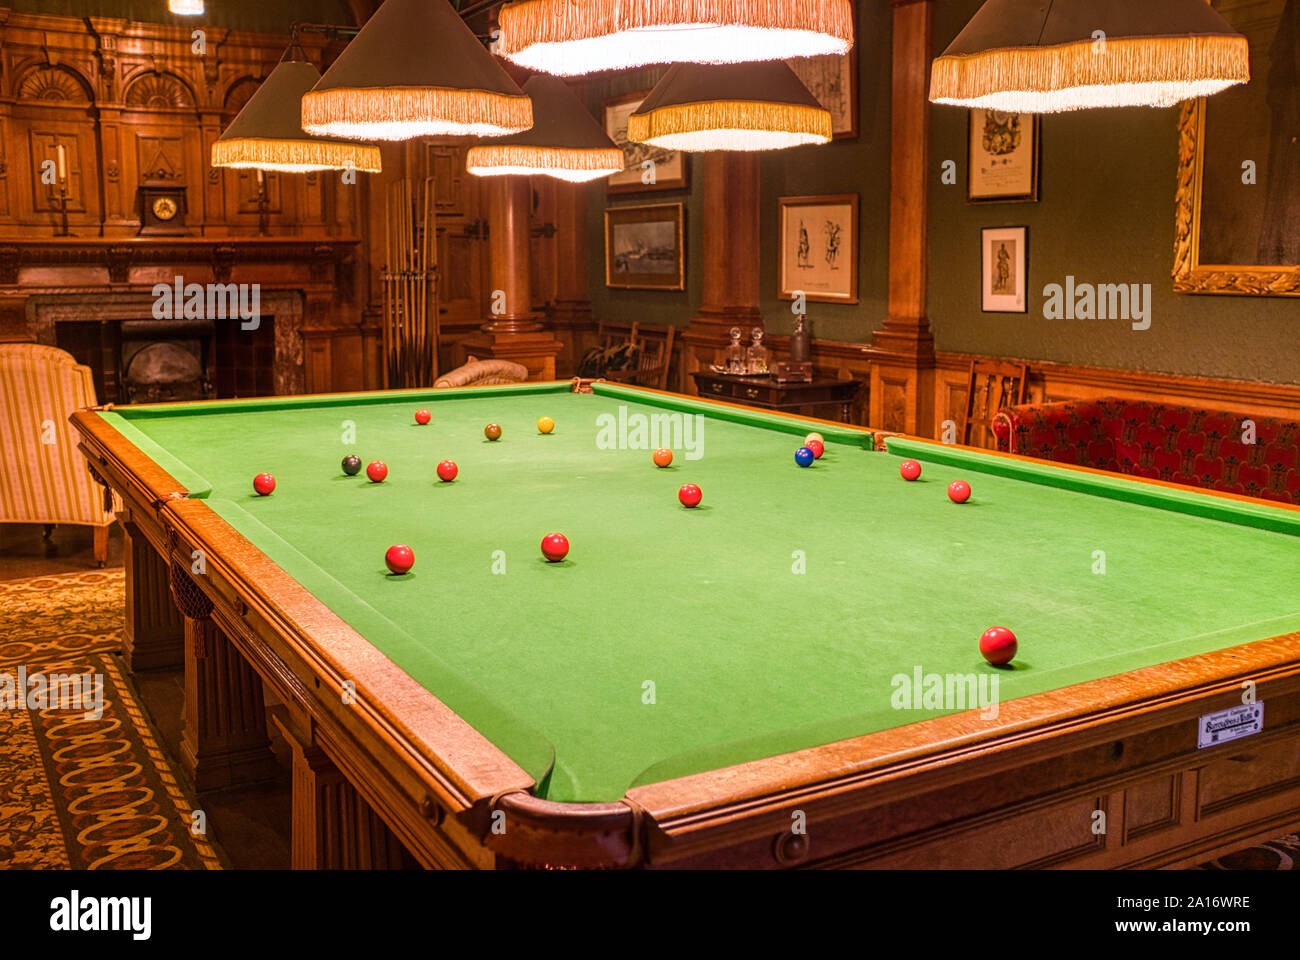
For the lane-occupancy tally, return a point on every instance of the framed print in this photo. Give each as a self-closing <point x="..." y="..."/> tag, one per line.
<point x="1002" y="157"/>
<point x="818" y="248"/>
<point x="834" y="82"/>
<point x="1004" y="278"/>
<point x="645" y="247"/>
<point x="1236" y="229"/>
<point x="670" y="166"/>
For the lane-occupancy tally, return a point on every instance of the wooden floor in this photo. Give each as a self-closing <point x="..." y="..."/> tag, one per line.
<point x="250" y="824"/>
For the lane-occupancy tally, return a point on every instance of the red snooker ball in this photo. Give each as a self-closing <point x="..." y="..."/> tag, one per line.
<point x="909" y="469"/>
<point x="959" y="491"/>
<point x="998" y="645"/>
<point x="447" y="471"/>
<point x="689" y="495"/>
<point x="377" y="471"/>
<point x="555" y="547"/>
<point x="263" y="483"/>
<point x="399" y="558"/>
<point x="817" y="447"/>
<point x="423" y="416"/>
<point x="663" y="457"/>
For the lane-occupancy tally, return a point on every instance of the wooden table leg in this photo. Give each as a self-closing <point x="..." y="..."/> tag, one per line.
<point x="225" y="742"/>
<point x="155" y="629"/>
<point x="333" y="826"/>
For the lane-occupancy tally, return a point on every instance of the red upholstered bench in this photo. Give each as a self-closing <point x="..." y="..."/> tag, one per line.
<point x="1204" y="448"/>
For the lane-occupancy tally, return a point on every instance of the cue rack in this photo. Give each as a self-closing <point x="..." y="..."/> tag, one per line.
<point x="410" y="281"/>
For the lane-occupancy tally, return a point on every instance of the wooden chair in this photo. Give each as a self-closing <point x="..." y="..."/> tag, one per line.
<point x="607" y="337"/>
<point x="990" y="386"/>
<point x="654" y="360"/>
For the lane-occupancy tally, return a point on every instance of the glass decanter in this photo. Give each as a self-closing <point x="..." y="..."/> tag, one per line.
<point x="757" y="354"/>
<point x="735" y="357"/>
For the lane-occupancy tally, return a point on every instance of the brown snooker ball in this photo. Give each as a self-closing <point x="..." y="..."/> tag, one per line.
<point x="492" y="431"/>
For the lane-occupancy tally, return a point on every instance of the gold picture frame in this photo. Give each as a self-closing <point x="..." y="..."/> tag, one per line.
<point x="1002" y="156"/>
<point x="1189" y="273"/>
<point x="833" y="80"/>
<point x="645" y="247"/>
<point x="672" y="168"/>
<point x="820" y="261"/>
<point x="1235" y="228"/>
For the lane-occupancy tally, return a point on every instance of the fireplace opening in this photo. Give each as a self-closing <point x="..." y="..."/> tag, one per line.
<point x="165" y="360"/>
<point x="154" y="361"/>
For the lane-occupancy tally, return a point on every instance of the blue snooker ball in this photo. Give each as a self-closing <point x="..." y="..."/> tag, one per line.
<point x="804" y="457"/>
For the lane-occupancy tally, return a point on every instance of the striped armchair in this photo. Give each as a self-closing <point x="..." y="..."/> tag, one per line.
<point x="43" y="478"/>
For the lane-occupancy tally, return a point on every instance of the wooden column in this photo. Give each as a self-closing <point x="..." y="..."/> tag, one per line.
<point x="730" y="257"/>
<point x="224" y="743"/>
<point x="572" y="312"/>
<point x="155" y="630"/>
<point x="902" y="353"/>
<point x="511" y="329"/>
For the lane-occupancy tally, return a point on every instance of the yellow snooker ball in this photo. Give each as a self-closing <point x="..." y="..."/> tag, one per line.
<point x="545" y="425"/>
<point x="814" y="436"/>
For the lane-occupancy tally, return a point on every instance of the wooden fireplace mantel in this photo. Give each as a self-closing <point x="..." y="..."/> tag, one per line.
<point x="321" y="339"/>
<point x="82" y="261"/>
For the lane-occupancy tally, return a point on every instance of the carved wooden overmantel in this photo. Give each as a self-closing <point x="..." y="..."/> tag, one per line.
<point x="132" y="103"/>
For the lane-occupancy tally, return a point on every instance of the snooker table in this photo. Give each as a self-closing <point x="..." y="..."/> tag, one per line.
<point x="787" y="675"/>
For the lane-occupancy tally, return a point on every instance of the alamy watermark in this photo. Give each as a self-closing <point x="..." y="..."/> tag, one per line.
<point x="1098" y="301"/>
<point x="945" y="691"/>
<point x="179" y="300"/>
<point x="53" y="691"/>
<point x="641" y="431"/>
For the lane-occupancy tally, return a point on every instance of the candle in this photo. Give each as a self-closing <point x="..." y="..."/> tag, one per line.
<point x="63" y="163"/>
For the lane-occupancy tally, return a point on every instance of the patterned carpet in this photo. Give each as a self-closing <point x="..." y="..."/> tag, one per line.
<point x="1280" y="854"/>
<point x="100" y="794"/>
<point x="84" y="783"/>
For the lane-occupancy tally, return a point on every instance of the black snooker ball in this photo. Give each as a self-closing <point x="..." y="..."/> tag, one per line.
<point x="351" y="464"/>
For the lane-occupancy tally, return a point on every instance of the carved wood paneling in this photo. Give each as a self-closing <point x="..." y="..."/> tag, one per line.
<point x="158" y="91"/>
<point x="54" y="83"/>
<point x="142" y="95"/>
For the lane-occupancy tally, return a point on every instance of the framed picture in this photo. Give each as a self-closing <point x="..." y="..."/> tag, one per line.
<point x="1236" y="229"/>
<point x="834" y="82"/>
<point x="1004" y="277"/>
<point x="1002" y="158"/>
<point x="818" y="248"/>
<point x="645" y="247"/>
<point x="670" y="170"/>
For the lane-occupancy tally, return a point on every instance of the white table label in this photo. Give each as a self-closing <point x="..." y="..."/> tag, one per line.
<point x="1231" y="724"/>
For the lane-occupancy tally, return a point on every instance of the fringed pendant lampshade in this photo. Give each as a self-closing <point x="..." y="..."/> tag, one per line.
<point x="267" y="133"/>
<point x="415" y="70"/>
<point x="568" y="37"/>
<point x="1046" y="56"/>
<point x="565" y="142"/>
<point x="738" y="106"/>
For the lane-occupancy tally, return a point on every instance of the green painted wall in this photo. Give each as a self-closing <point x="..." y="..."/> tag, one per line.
<point x="649" y="307"/>
<point x="261" y="16"/>
<point x="845" y="166"/>
<point x="1105" y="215"/>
